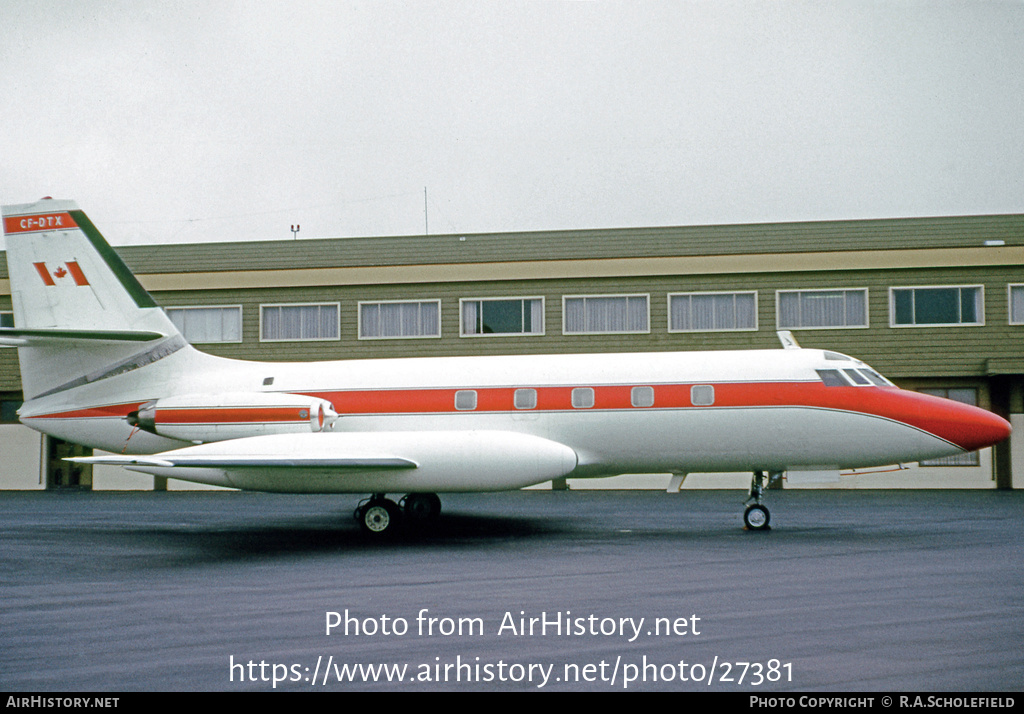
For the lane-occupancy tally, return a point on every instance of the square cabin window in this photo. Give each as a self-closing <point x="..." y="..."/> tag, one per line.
<point x="642" y="396"/>
<point x="525" y="399"/>
<point x="582" y="398"/>
<point x="465" y="400"/>
<point x="6" y="319"/>
<point x="511" y="316"/>
<point x="939" y="306"/>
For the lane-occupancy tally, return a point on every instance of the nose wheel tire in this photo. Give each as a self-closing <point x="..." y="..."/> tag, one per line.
<point x="756" y="517"/>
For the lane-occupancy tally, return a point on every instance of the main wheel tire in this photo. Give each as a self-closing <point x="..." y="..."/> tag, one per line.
<point x="421" y="507"/>
<point x="379" y="517"/>
<point x="756" y="517"/>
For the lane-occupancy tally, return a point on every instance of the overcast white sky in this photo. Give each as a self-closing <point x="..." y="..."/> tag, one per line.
<point x="192" y="120"/>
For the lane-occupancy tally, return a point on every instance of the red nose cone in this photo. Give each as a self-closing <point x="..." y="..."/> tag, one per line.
<point x="970" y="428"/>
<point x="983" y="429"/>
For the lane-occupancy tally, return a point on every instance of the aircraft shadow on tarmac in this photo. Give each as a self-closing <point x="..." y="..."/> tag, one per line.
<point x="192" y="543"/>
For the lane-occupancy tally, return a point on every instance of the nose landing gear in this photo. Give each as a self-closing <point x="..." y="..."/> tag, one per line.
<point x="756" y="517"/>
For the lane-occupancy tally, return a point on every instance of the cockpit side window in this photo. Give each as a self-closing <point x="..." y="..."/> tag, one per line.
<point x="876" y="379"/>
<point x="832" y="378"/>
<point x="858" y="378"/>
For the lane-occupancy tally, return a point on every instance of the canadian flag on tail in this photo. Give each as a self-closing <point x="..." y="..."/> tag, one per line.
<point x="69" y="269"/>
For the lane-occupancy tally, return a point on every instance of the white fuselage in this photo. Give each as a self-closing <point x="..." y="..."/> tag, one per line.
<point x="621" y="413"/>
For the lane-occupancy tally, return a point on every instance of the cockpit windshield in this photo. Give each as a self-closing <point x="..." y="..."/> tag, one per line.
<point x="859" y="377"/>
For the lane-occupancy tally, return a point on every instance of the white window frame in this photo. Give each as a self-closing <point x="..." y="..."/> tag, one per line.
<point x="913" y="325"/>
<point x="734" y="293"/>
<point x="1009" y="303"/>
<point x="583" y="398"/>
<point x="464" y="395"/>
<point x="647" y="316"/>
<point x="462" y="326"/>
<point x="867" y="310"/>
<point x="211" y="307"/>
<point x="359" y="313"/>
<point x="702" y="395"/>
<point x="525" y="398"/>
<point x="337" y="315"/>
<point x="641" y="397"/>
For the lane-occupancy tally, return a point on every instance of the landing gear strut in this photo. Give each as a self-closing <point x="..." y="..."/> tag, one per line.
<point x="380" y="516"/>
<point x="756" y="517"/>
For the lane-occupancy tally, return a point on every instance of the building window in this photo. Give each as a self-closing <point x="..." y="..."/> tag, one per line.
<point x="208" y="324"/>
<point x="967" y="396"/>
<point x="1017" y="304"/>
<point x="958" y="305"/>
<point x="299" y="322"/>
<point x="700" y="312"/>
<point x="399" y="320"/>
<point x="502" y="316"/>
<point x="605" y="314"/>
<point x="822" y="309"/>
<point x="10" y="403"/>
<point x="6" y="319"/>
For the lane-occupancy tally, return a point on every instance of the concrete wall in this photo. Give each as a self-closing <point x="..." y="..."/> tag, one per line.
<point x="21" y="448"/>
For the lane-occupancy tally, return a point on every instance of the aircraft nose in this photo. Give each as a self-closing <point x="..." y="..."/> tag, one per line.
<point x="984" y="429"/>
<point x="969" y="427"/>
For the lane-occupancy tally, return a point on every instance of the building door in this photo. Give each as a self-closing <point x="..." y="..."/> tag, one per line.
<point x="62" y="474"/>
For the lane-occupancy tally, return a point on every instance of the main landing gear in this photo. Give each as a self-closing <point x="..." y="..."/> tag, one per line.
<point x="757" y="517"/>
<point x="380" y="516"/>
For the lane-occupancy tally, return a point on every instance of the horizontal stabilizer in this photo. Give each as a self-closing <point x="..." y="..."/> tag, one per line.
<point x="18" y="337"/>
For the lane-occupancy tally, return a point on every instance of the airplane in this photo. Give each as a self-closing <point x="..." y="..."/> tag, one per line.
<point x="103" y="366"/>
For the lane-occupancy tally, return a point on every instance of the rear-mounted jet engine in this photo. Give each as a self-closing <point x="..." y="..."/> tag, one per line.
<point x="218" y="417"/>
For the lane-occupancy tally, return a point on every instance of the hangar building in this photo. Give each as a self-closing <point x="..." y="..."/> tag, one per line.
<point x="935" y="304"/>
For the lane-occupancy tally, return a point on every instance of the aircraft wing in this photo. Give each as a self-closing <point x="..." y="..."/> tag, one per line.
<point x="355" y="462"/>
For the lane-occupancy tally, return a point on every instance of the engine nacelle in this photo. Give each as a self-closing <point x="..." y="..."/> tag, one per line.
<point x="233" y="415"/>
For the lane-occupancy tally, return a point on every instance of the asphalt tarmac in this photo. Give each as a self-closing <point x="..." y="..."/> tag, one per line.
<point x="885" y="591"/>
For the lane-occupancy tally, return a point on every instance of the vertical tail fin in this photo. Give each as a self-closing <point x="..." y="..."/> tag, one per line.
<point x="79" y="313"/>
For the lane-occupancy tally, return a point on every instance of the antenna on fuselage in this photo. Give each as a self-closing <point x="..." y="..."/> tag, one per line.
<point x="788" y="341"/>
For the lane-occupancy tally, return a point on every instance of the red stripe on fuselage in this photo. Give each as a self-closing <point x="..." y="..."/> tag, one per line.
<point x="110" y="411"/>
<point x="966" y="426"/>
